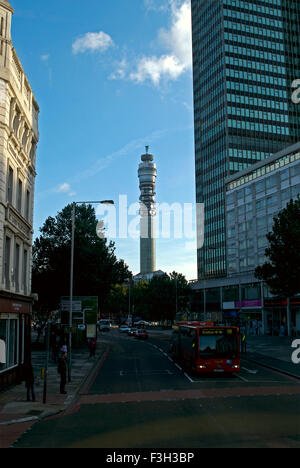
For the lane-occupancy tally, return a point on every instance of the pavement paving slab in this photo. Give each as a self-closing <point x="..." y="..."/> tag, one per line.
<point x="17" y="415"/>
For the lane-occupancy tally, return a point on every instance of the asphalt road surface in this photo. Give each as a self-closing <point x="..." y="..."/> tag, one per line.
<point x="142" y="399"/>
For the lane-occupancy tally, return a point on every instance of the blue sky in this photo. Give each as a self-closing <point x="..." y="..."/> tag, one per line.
<point x="110" y="77"/>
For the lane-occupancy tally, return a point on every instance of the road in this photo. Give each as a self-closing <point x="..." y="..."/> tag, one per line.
<point x="142" y="399"/>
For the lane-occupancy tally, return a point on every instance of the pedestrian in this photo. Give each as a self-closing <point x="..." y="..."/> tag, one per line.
<point x="29" y="381"/>
<point x="244" y="344"/>
<point x="63" y="370"/>
<point x="93" y="344"/>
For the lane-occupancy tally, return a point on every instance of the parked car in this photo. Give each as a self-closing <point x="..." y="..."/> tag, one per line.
<point x="124" y="328"/>
<point x="141" y="335"/>
<point x="104" y="325"/>
<point x="132" y="331"/>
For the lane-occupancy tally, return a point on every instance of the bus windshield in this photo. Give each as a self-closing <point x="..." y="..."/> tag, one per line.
<point x="218" y="343"/>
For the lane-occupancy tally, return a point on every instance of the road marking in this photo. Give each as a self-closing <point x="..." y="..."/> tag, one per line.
<point x="146" y="373"/>
<point x="241" y="378"/>
<point x="254" y="372"/>
<point x="177" y="366"/>
<point x="189" y="378"/>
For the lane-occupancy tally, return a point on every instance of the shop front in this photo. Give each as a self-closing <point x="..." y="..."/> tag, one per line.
<point x="246" y="314"/>
<point x="276" y="316"/>
<point x="15" y="339"/>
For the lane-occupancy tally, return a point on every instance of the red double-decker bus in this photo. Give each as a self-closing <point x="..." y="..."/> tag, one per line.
<point x="203" y="347"/>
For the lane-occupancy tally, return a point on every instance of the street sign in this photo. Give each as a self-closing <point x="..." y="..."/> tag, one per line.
<point x="84" y="309"/>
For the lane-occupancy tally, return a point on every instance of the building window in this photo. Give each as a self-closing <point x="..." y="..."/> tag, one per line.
<point x="7" y="245"/>
<point x="33" y="151"/>
<point x="271" y="182"/>
<point x="260" y="186"/>
<point x="17" y="267"/>
<point x="10" y="185"/>
<point x="296" y="191"/>
<point x="27" y="205"/>
<point x="19" y="198"/>
<point x="295" y="170"/>
<point x="16" y="122"/>
<point x="25" y="261"/>
<point x="9" y="334"/>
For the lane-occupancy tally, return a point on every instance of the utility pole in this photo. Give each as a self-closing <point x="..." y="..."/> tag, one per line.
<point x="103" y="202"/>
<point x="46" y="363"/>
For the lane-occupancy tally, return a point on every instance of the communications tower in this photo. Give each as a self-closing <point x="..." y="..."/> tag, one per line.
<point x="147" y="176"/>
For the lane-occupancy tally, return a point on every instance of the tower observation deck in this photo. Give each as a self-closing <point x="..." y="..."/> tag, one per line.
<point x="147" y="176"/>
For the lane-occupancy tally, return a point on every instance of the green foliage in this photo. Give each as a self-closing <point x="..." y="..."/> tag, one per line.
<point x="282" y="270"/>
<point x="96" y="267"/>
<point x="156" y="300"/>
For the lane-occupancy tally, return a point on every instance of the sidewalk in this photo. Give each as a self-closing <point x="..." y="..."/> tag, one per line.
<point x="274" y="352"/>
<point x="17" y="415"/>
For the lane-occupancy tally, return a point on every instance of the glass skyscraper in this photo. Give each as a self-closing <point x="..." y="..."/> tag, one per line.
<point x="246" y="54"/>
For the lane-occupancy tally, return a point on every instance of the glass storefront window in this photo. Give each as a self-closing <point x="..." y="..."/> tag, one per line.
<point x="3" y="337"/>
<point x="251" y="292"/>
<point x="9" y="334"/>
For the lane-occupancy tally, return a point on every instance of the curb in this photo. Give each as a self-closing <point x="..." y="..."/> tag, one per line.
<point x="54" y="414"/>
<point x="87" y="380"/>
<point x="276" y="369"/>
<point x="18" y="421"/>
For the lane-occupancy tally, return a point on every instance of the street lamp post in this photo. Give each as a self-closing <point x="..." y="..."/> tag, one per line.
<point x="103" y="202"/>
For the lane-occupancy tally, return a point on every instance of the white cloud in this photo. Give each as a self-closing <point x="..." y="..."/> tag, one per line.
<point x="156" y="68"/>
<point x="120" y="72"/>
<point x="93" y="42"/>
<point x="178" y="42"/>
<point x="65" y="188"/>
<point x="45" y="57"/>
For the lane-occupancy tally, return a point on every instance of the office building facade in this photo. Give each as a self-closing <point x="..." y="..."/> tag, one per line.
<point x="18" y="143"/>
<point x="246" y="54"/>
<point x="253" y="197"/>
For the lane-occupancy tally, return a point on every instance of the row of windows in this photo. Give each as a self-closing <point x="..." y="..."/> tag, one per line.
<point x="267" y="9"/>
<point x="15" y="266"/>
<point x="253" y="42"/>
<point x="259" y="66"/>
<point x="254" y="53"/>
<point x="257" y="90"/>
<point x="257" y="102"/>
<point x="258" y="127"/>
<point x="248" y="154"/>
<point x="256" y="77"/>
<point x="257" y="114"/>
<point x="266" y="209"/>
<point x="254" y="19"/>
<point x="257" y="31"/>
<point x="23" y="206"/>
<point x="281" y="162"/>
<point x="264" y="185"/>
<point x="23" y="133"/>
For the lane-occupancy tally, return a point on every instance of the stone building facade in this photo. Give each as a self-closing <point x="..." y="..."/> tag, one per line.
<point x="19" y="137"/>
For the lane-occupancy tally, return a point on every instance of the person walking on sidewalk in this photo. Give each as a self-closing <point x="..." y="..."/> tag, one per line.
<point x="29" y="381"/>
<point x="63" y="370"/>
<point x="93" y="344"/>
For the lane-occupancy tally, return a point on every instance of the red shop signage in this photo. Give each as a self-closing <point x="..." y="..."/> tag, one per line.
<point x="11" y="306"/>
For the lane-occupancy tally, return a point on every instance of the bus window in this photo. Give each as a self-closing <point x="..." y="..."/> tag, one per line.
<point x="220" y="343"/>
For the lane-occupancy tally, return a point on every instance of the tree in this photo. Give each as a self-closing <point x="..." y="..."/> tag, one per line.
<point x="159" y="299"/>
<point x="116" y="302"/>
<point x="96" y="267"/>
<point x="282" y="270"/>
